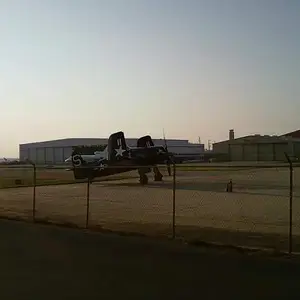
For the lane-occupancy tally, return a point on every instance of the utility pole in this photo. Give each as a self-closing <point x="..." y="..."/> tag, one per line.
<point x="208" y="144"/>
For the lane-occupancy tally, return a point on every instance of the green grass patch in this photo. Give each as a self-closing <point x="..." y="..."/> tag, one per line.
<point x="24" y="177"/>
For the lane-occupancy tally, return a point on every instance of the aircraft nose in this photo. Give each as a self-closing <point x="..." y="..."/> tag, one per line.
<point x="69" y="159"/>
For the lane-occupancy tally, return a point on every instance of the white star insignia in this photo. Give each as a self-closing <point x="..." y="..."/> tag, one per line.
<point x="120" y="151"/>
<point x="102" y="166"/>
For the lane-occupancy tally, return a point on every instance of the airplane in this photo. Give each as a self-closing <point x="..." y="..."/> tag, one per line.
<point x="9" y="161"/>
<point x="98" y="155"/>
<point x="120" y="158"/>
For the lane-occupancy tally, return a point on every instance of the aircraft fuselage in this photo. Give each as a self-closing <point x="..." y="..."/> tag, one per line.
<point x="121" y="159"/>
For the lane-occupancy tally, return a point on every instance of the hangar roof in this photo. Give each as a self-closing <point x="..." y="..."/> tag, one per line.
<point x="69" y="142"/>
<point x="261" y="139"/>
<point x="294" y="134"/>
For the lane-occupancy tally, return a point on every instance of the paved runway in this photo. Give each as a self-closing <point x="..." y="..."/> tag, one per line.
<point x="45" y="262"/>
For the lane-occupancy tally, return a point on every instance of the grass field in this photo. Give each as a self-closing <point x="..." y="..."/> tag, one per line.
<point x="44" y="176"/>
<point x="59" y="175"/>
<point x="8" y="176"/>
<point x="49" y="176"/>
<point x="255" y="214"/>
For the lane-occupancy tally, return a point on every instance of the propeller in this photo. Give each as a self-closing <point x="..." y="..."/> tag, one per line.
<point x="169" y="160"/>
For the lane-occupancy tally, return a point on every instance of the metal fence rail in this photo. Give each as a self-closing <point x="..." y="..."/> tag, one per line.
<point x="236" y="205"/>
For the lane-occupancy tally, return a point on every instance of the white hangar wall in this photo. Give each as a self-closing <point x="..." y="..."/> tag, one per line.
<point x="57" y="151"/>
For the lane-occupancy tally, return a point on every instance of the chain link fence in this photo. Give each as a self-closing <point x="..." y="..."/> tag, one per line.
<point x="295" y="208"/>
<point x="236" y="206"/>
<point x="16" y="194"/>
<point x="125" y="205"/>
<point x="233" y="205"/>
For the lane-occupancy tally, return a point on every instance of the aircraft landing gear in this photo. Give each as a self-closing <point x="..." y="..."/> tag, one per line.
<point x="157" y="175"/>
<point x="143" y="176"/>
<point x="143" y="179"/>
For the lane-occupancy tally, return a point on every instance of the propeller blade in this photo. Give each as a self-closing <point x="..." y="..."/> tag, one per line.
<point x="164" y="137"/>
<point x="169" y="160"/>
<point x="169" y="169"/>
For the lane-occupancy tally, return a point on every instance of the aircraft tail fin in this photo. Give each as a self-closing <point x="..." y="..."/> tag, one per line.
<point x="145" y="142"/>
<point x="116" y="146"/>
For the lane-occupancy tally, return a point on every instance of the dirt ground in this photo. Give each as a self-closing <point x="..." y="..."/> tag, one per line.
<point x="255" y="214"/>
<point x="47" y="262"/>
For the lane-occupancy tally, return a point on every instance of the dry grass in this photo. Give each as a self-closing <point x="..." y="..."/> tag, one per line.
<point x="49" y="176"/>
<point x="44" y="176"/>
<point x="25" y="175"/>
<point x="257" y="211"/>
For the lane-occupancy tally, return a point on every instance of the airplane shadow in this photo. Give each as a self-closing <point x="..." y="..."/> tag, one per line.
<point x="217" y="187"/>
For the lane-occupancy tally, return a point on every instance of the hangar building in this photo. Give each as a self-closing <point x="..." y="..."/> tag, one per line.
<point x="57" y="151"/>
<point x="259" y="147"/>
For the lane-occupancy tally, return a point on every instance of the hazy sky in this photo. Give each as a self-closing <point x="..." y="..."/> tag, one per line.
<point x="71" y="68"/>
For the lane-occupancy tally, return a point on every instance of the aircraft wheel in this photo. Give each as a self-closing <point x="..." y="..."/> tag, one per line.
<point x="144" y="179"/>
<point x="158" y="177"/>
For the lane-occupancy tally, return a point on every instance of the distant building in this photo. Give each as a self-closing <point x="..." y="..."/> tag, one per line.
<point x="57" y="151"/>
<point x="259" y="147"/>
<point x="293" y="134"/>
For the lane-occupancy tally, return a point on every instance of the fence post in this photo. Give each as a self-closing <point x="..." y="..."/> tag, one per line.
<point x="34" y="189"/>
<point x="174" y="203"/>
<point x="34" y="193"/>
<point x="290" y="204"/>
<point x="87" y="204"/>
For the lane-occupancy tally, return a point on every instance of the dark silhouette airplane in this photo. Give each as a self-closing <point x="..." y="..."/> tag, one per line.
<point x="120" y="158"/>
